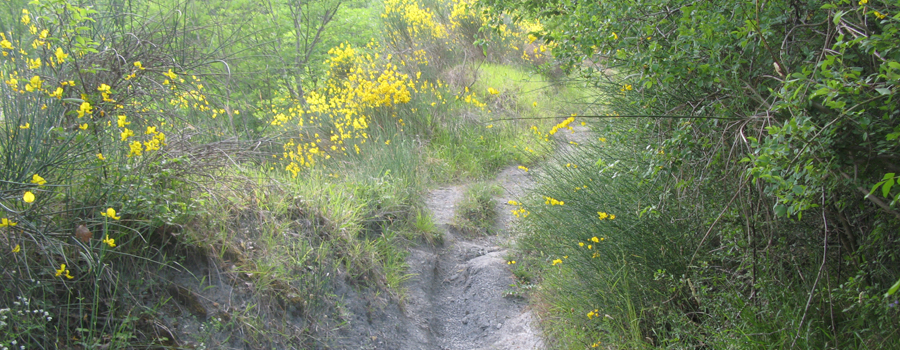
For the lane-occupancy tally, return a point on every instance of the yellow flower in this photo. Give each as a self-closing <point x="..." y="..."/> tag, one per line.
<point x="63" y="272"/>
<point x="557" y="261"/>
<point x="388" y="142"/>
<point x="17" y="249"/>
<point x="126" y="134"/>
<point x="595" y="239"/>
<point x="123" y="121"/>
<point x="170" y="74"/>
<point x="109" y="241"/>
<point x="511" y="262"/>
<point x="26" y="126"/>
<point x="615" y="36"/>
<point x="7" y="222"/>
<point x="581" y="244"/>
<point x="5" y="44"/>
<point x="150" y="130"/>
<point x="863" y="2"/>
<point x="34" y="84"/>
<point x="553" y="201"/>
<point x="83" y="126"/>
<point x="100" y="156"/>
<point x="135" y="149"/>
<point x="879" y="15"/>
<point x="37" y="179"/>
<point x="34" y="63"/>
<point x="523" y="168"/>
<point x="28" y="197"/>
<point x="110" y="213"/>
<point x="60" y="55"/>
<point x="493" y="91"/>
<point x="85" y="108"/>
<point x="57" y="93"/>
<point x="138" y="65"/>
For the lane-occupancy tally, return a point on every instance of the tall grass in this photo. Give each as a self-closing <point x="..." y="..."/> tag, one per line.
<point x="669" y="271"/>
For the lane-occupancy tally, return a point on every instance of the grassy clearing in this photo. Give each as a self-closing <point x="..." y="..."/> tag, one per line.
<point x="521" y="106"/>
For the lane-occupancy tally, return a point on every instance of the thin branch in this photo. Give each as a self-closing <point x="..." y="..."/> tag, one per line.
<point x="812" y="292"/>
<point x="624" y="116"/>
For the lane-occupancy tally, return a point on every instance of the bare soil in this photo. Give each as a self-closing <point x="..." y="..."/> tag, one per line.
<point x="456" y="297"/>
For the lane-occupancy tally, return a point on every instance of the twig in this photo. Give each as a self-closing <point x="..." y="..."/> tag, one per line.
<point x="716" y="221"/>
<point x="874" y="199"/>
<point x="819" y="275"/>
<point x="622" y="116"/>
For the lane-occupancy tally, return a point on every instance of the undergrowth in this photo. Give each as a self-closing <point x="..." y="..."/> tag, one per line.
<point x="141" y="208"/>
<point x="629" y="259"/>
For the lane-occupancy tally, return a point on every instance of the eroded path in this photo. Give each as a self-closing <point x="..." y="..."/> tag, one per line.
<point x="457" y="298"/>
<point x="467" y="307"/>
<point x="454" y="299"/>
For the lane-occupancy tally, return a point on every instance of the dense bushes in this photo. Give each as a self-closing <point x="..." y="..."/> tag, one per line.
<point x="773" y="121"/>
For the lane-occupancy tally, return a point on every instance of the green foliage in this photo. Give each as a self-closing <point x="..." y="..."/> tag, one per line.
<point x="786" y="108"/>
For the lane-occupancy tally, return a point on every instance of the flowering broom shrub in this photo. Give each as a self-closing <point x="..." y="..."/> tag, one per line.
<point x="86" y="123"/>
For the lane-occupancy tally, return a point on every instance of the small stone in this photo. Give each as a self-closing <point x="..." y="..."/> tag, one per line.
<point x="499" y="325"/>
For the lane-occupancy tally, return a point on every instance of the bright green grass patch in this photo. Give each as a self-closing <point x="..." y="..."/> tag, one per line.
<point x="521" y="107"/>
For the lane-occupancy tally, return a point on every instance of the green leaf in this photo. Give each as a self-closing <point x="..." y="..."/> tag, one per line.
<point x="886" y="189"/>
<point x="780" y="210"/>
<point x="883" y="91"/>
<point x="893" y="289"/>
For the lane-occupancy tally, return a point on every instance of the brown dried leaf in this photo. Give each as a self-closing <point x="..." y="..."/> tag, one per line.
<point x="83" y="234"/>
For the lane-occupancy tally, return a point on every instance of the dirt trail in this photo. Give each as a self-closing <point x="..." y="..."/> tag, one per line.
<point x="460" y="287"/>
<point x="455" y="297"/>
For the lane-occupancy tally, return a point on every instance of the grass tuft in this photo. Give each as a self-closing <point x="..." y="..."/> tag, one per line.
<point x="476" y="212"/>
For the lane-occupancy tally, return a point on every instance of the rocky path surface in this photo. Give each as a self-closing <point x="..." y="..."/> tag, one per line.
<point x="464" y="303"/>
<point x="456" y="300"/>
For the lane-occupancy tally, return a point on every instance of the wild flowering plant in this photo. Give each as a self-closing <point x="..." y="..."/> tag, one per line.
<point x="82" y="122"/>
